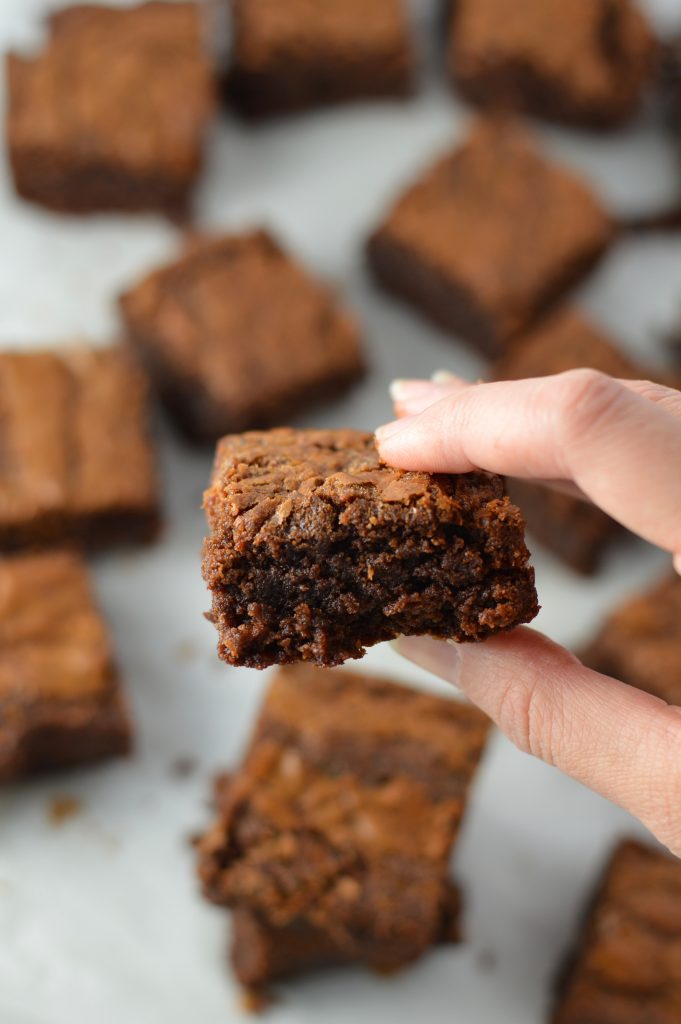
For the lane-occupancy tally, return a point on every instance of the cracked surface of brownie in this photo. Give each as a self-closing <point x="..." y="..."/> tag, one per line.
<point x="332" y="841"/>
<point x="317" y="550"/>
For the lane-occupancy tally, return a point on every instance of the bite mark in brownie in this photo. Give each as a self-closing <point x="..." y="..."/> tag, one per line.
<point x="583" y="63"/>
<point x="332" y="841"/>
<point x="627" y="966"/>
<point x="318" y="550"/>
<point x="574" y="530"/>
<point x="61" y="703"/>
<point x="236" y="334"/>
<point x="288" y="55"/>
<point x="112" y="114"/>
<point x="490" y="236"/>
<point x="76" y="460"/>
<point x="640" y="642"/>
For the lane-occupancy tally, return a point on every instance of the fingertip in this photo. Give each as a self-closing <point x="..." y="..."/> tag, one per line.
<point x="439" y="657"/>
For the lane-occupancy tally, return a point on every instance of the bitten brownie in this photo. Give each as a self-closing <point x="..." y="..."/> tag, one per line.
<point x="236" y="334"/>
<point x="60" y="699"/>
<point x="574" y="530"/>
<point x="627" y="966"/>
<point x="318" y="550"/>
<point x="453" y="244"/>
<point x="640" y="643"/>
<point x="77" y="462"/>
<point x="111" y="116"/>
<point x="332" y="841"/>
<point x="291" y="54"/>
<point x="582" y="63"/>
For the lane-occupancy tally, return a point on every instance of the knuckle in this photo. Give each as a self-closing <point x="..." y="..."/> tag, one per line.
<point x="586" y="399"/>
<point x="527" y="720"/>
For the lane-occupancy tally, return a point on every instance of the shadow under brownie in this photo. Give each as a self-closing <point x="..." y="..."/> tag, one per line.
<point x="111" y="115"/>
<point x="236" y="334"/>
<point x="318" y="550"/>
<point x="332" y="841"/>
<point x="77" y="458"/>
<point x="61" y="703"/>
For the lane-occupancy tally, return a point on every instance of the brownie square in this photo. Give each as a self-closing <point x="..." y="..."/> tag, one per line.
<point x="333" y="839"/>
<point x="77" y="462"/>
<point x="640" y="643"/>
<point x="627" y="966"/>
<point x="111" y="115"/>
<point x="490" y="236"/>
<point x="236" y="334"/>
<point x="291" y="54"/>
<point x="318" y="550"/>
<point x="60" y="699"/>
<point x="582" y="63"/>
<point x="575" y="531"/>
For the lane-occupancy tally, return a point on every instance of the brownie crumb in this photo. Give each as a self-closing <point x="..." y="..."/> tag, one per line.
<point x="62" y="808"/>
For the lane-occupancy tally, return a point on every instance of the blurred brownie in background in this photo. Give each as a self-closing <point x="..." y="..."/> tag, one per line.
<point x="237" y="334"/>
<point x="626" y="968"/>
<point x="490" y="237"/>
<point x="291" y="54"/>
<point x="317" y="550"/>
<point x="60" y="698"/>
<point x="574" y="530"/>
<point x="112" y="114"/>
<point x="77" y="460"/>
<point x="332" y="841"/>
<point x="640" y="642"/>
<point x="585" y="63"/>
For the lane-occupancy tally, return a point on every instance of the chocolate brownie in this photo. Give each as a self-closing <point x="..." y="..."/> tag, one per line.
<point x="77" y="462"/>
<point x="318" y="550"/>
<point x="236" y="334"/>
<point x="627" y="967"/>
<point x="332" y="841"/>
<point x="60" y="698"/>
<point x="111" y="115"/>
<point x="583" y="63"/>
<point x="490" y="236"/>
<point x="291" y="54"/>
<point x="573" y="529"/>
<point x="640" y="643"/>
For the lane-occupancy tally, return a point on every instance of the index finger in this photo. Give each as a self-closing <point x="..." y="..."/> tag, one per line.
<point x="620" y="449"/>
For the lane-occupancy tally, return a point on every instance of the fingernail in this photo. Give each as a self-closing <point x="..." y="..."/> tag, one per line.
<point x="390" y="429"/>
<point x="403" y="390"/>
<point x="441" y="658"/>
<point x="442" y="377"/>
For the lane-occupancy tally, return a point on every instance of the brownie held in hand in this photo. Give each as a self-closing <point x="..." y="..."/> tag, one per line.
<point x="640" y="643"/>
<point x="60" y="699"/>
<point x="332" y="841"/>
<point x="627" y="967"/>
<point x="318" y="550"/>
<point x="583" y="63"/>
<point x="236" y="334"/>
<point x="291" y="54"/>
<point x="490" y="237"/>
<point x="77" y="461"/>
<point x="111" y="116"/>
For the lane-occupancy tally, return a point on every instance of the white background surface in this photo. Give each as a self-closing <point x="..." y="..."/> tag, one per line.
<point x="100" y="919"/>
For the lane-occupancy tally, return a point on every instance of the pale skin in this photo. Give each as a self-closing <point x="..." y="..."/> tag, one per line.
<point x="618" y="443"/>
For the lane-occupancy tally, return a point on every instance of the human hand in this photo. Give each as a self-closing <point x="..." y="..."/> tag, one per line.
<point x="618" y="443"/>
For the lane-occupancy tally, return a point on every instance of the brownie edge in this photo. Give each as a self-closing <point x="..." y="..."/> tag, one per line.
<point x="318" y="550"/>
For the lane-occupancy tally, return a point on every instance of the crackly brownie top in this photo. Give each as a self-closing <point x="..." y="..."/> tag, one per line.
<point x="265" y="482"/>
<point x="565" y="341"/>
<point x="125" y="86"/>
<point x="235" y="310"/>
<point x="73" y="435"/>
<point x="267" y="29"/>
<point x="353" y="787"/>
<point x="628" y="967"/>
<point x="599" y="50"/>
<point x="467" y="216"/>
<point x="54" y="646"/>
<point x="640" y="643"/>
